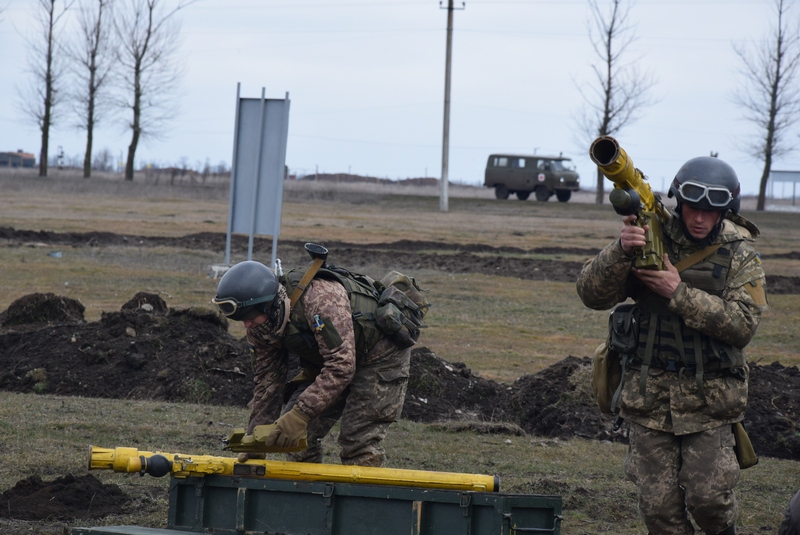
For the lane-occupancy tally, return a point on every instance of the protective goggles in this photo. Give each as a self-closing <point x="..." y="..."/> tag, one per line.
<point x="717" y="196"/>
<point x="230" y="306"/>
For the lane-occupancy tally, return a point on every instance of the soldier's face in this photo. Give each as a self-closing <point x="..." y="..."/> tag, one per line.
<point x="699" y="223"/>
<point x="255" y="322"/>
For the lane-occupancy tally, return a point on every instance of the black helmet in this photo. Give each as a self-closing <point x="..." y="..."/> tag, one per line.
<point x="246" y="290"/>
<point x="707" y="183"/>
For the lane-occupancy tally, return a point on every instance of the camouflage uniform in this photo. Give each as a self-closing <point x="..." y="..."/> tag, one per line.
<point x="791" y="517"/>
<point x="681" y="453"/>
<point x="365" y="390"/>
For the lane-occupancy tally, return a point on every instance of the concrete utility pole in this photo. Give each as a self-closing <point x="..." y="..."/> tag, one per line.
<point x="446" y="129"/>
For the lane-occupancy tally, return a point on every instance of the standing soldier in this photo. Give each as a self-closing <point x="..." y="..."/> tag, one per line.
<point x="350" y="370"/>
<point x="685" y="380"/>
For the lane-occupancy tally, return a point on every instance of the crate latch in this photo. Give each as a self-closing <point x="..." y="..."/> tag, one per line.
<point x="327" y="493"/>
<point x="465" y="502"/>
<point x="513" y="529"/>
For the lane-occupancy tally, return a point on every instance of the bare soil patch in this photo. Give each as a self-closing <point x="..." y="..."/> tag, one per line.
<point x="65" y="498"/>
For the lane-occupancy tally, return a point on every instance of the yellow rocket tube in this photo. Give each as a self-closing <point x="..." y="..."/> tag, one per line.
<point x="632" y="195"/>
<point x="615" y="164"/>
<point x="131" y="460"/>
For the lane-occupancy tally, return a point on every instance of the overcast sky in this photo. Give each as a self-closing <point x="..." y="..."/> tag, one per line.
<point x="366" y="84"/>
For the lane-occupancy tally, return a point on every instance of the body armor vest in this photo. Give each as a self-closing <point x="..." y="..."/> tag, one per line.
<point x="664" y="339"/>
<point x="363" y="294"/>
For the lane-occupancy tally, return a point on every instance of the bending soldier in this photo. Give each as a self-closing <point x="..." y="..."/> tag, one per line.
<point x="685" y="380"/>
<point x="360" y="378"/>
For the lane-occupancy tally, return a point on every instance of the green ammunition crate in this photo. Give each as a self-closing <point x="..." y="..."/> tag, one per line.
<point x="224" y="505"/>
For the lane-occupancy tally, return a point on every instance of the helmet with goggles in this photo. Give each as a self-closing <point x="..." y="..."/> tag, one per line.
<point x="246" y="290"/>
<point x="707" y="183"/>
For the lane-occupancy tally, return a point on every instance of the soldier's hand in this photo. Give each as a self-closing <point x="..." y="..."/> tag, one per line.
<point x="631" y="236"/>
<point x="665" y="282"/>
<point x="289" y="429"/>
<point x="244" y="456"/>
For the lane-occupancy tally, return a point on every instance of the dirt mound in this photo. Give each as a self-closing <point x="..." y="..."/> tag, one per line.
<point x="147" y="302"/>
<point x="66" y="498"/>
<point x="440" y="390"/>
<point x="773" y="410"/>
<point x="150" y="351"/>
<point x="144" y="351"/>
<point x="42" y="308"/>
<point x="557" y="402"/>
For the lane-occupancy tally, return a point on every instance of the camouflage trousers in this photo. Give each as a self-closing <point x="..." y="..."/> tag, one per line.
<point x="680" y="475"/>
<point x="791" y="517"/>
<point x="372" y="401"/>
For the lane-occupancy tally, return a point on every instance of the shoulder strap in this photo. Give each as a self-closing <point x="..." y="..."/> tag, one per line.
<point x="697" y="257"/>
<point x="303" y="284"/>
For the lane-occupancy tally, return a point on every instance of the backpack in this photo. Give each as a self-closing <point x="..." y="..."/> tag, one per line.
<point x="401" y="309"/>
<point x="392" y="307"/>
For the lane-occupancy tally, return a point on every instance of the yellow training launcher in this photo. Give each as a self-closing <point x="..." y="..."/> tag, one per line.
<point x="159" y="464"/>
<point x="632" y="195"/>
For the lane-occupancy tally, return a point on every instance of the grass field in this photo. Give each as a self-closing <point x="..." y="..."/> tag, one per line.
<point x="502" y="328"/>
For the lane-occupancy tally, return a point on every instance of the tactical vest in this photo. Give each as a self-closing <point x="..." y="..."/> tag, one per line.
<point x="664" y="339"/>
<point x="363" y="294"/>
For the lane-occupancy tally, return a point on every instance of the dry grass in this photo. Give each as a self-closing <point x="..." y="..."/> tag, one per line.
<point x="500" y="328"/>
<point x="504" y="330"/>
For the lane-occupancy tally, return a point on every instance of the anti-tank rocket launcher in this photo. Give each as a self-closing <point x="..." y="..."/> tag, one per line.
<point x="179" y="465"/>
<point x="632" y="195"/>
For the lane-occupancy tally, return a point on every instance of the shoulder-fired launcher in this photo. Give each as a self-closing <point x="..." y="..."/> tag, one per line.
<point x="632" y="195"/>
<point x="179" y="465"/>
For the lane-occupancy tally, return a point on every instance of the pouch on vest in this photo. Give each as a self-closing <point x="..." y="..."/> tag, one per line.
<point x="607" y="368"/>
<point x="623" y="330"/>
<point x="401" y="308"/>
<point x="606" y="377"/>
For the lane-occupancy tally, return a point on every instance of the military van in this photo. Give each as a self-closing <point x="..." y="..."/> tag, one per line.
<point x="521" y="175"/>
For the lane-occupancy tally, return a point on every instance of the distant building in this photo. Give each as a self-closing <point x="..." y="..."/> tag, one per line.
<point x="17" y="159"/>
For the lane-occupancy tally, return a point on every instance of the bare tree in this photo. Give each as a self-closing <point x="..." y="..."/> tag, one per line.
<point x="770" y="94"/>
<point x="41" y="99"/>
<point x="103" y="160"/>
<point x="620" y="90"/>
<point x="148" y="34"/>
<point x="91" y="56"/>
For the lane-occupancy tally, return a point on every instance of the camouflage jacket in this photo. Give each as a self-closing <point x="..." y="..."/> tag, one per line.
<point x="327" y="300"/>
<point x="673" y="401"/>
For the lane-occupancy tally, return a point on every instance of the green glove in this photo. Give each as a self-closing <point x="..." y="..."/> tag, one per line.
<point x="289" y="429"/>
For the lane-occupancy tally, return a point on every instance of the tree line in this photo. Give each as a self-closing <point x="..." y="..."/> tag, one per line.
<point x="105" y="161"/>
<point x="92" y="59"/>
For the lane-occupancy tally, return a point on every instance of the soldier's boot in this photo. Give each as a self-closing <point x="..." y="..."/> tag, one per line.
<point x="730" y="530"/>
